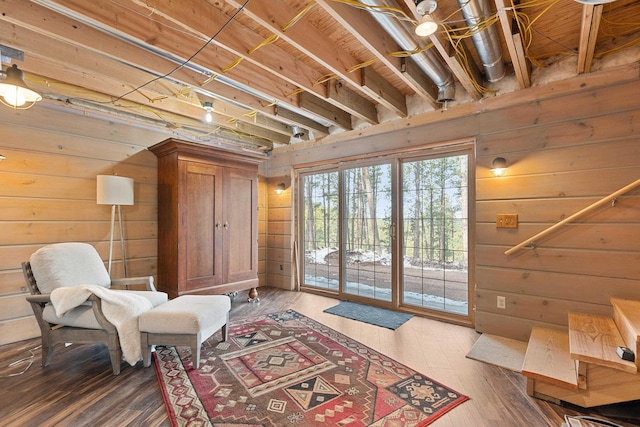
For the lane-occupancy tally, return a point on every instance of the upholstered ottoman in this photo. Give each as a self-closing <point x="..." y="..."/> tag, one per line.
<point x="186" y="320"/>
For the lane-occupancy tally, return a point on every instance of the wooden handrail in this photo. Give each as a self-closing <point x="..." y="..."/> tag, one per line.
<point x="589" y="208"/>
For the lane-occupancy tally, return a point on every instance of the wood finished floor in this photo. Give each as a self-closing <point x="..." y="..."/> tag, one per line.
<point x="78" y="388"/>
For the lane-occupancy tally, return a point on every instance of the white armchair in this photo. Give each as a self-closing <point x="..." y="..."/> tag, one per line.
<point x="77" y="264"/>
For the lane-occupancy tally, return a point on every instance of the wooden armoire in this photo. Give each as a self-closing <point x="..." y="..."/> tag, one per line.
<point x="207" y="219"/>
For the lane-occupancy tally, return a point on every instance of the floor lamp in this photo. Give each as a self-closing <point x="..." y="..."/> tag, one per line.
<point x="115" y="191"/>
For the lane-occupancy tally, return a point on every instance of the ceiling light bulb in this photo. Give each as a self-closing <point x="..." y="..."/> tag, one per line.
<point x="596" y="2"/>
<point x="499" y="166"/>
<point x="427" y="26"/>
<point x="14" y="91"/>
<point x="14" y="96"/>
<point x="208" y="106"/>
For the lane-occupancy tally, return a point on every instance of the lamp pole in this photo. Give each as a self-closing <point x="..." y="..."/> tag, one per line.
<point x="115" y="191"/>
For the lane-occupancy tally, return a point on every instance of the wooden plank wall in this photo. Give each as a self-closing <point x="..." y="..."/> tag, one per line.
<point x="280" y="262"/>
<point x="48" y="195"/>
<point x="568" y="144"/>
<point x="262" y="230"/>
<point x="565" y="154"/>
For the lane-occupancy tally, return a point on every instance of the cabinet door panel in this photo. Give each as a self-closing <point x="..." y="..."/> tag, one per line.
<point x="202" y="213"/>
<point x="240" y="237"/>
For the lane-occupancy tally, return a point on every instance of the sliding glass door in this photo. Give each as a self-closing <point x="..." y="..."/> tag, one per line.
<point x="393" y="233"/>
<point x="435" y="225"/>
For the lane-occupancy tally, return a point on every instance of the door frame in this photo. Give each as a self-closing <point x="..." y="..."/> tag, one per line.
<point x="455" y="147"/>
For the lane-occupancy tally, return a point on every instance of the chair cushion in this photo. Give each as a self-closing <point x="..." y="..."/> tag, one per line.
<point x="68" y="264"/>
<point x="79" y="317"/>
<point x="83" y="317"/>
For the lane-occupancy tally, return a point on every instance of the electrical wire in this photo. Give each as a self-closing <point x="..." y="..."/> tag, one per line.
<point x="28" y="360"/>
<point x="188" y="60"/>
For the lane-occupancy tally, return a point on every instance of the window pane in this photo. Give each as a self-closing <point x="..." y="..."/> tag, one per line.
<point x="366" y="225"/>
<point x="320" y="235"/>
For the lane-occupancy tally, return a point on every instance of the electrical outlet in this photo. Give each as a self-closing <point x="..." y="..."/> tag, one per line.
<point x="507" y="221"/>
<point x="501" y="302"/>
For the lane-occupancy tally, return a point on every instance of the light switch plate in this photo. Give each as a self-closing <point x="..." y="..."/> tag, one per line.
<point x="507" y="221"/>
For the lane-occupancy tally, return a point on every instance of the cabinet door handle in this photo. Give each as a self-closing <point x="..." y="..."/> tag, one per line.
<point x="226" y="225"/>
<point x="218" y="225"/>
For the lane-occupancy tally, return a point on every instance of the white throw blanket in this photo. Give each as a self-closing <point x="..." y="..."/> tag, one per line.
<point x="119" y="307"/>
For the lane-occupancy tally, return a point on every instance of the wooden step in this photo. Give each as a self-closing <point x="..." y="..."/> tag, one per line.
<point x="605" y="386"/>
<point x="626" y="315"/>
<point x="594" y="339"/>
<point x="547" y="358"/>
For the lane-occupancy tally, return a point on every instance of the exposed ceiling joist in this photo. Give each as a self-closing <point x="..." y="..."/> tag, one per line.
<point x="275" y="16"/>
<point x="335" y="66"/>
<point x="591" y="15"/>
<point x="513" y="40"/>
<point x="380" y="45"/>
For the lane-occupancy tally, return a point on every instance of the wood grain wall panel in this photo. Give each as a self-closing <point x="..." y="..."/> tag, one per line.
<point x="590" y="289"/>
<point x="566" y="134"/>
<point x="534" y="308"/>
<point x="263" y="217"/>
<point x="56" y="187"/>
<point x="83" y="146"/>
<point x="13" y="307"/>
<point x="555" y="171"/>
<point x="623" y="265"/>
<point x="30" y="232"/>
<point x="607" y="236"/>
<point x="18" y="329"/>
<point x="54" y="163"/>
<point x="12" y="282"/>
<point x="280" y="213"/>
<point x="48" y="195"/>
<point x="279" y="281"/>
<point x="279" y="228"/>
<point x="90" y="128"/>
<point x="279" y="268"/>
<point x="626" y="210"/>
<point x="581" y="157"/>
<point x="553" y="109"/>
<point x="12" y="256"/>
<point x="507" y="326"/>
<point x="279" y="241"/>
<point x="282" y="241"/>
<point x="597" y="182"/>
<point x="28" y="209"/>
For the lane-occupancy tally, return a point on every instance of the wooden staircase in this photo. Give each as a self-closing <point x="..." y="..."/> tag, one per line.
<point x="581" y="366"/>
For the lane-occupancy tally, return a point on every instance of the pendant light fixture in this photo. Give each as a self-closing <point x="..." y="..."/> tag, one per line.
<point x="499" y="166"/>
<point x="427" y="25"/>
<point x="208" y="106"/>
<point x="14" y="92"/>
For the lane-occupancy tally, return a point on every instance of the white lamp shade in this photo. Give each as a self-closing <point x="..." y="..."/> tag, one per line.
<point x="114" y="190"/>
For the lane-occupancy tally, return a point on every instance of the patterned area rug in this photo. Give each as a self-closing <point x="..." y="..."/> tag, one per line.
<point x="287" y="369"/>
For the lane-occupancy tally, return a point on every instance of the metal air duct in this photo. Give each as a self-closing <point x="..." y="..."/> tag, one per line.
<point x="429" y="62"/>
<point x="486" y="41"/>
